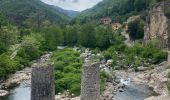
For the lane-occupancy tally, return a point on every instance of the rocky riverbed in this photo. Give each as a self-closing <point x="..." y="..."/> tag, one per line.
<point x="116" y="86"/>
<point x="155" y="79"/>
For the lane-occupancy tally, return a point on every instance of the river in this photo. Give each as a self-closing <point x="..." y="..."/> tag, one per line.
<point x="132" y="92"/>
<point x="21" y="92"/>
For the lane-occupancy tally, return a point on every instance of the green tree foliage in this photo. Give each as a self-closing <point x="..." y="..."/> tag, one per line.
<point x="30" y="48"/>
<point x="20" y="10"/>
<point x="118" y="10"/>
<point x="9" y="35"/>
<point x="3" y="48"/>
<point x="87" y="36"/>
<point x="71" y="35"/>
<point x="136" y="29"/>
<point x="7" y="65"/>
<point x="103" y="35"/>
<point x="3" y="20"/>
<point x="53" y="37"/>
<point x="140" y="4"/>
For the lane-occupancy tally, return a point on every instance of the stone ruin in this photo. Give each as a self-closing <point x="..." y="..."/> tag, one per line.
<point x="42" y="81"/>
<point x="90" y="84"/>
<point x="43" y="87"/>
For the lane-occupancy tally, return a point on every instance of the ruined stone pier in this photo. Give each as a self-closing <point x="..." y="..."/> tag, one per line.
<point x="42" y="83"/>
<point x="90" y="84"/>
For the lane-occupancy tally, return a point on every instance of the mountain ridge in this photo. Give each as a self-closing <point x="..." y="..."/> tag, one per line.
<point x="18" y="11"/>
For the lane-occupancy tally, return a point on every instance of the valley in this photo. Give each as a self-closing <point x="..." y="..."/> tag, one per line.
<point x="128" y="39"/>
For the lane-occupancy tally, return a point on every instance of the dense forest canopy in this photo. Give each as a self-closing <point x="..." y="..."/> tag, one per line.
<point x="118" y="10"/>
<point x="18" y="11"/>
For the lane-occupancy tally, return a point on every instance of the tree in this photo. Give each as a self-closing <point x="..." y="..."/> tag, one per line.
<point x="30" y="46"/>
<point x="53" y="37"/>
<point x="140" y="4"/>
<point x="3" y="21"/>
<point x="35" y="21"/>
<point x="136" y="29"/>
<point x="7" y="65"/>
<point x="71" y="35"/>
<point x="103" y="37"/>
<point x="87" y="36"/>
<point x="9" y="35"/>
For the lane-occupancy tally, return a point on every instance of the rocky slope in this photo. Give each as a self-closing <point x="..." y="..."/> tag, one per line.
<point x="157" y="24"/>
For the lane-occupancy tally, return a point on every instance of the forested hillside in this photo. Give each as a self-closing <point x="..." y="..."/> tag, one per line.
<point x="18" y="11"/>
<point x="118" y="10"/>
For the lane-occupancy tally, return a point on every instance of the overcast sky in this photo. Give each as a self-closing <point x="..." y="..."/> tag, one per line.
<point x="77" y="5"/>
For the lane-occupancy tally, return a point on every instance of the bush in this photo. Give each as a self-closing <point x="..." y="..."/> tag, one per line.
<point x="68" y="65"/>
<point x="103" y="77"/>
<point x="7" y="65"/>
<point x="107" y="55"/>
<point x="135" y="55"/>
<point x="3" y="48"/>
<point x="30" y="47"/>
<point x="136" y="29"/>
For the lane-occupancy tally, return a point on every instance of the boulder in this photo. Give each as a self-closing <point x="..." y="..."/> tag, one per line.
<point x="3" y="93"/>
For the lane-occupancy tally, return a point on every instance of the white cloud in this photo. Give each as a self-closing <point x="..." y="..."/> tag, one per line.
<point x="77" y="5"/>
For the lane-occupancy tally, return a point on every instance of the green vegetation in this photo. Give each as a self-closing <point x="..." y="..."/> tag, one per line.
<point x="118" y="10"/>
<point x="68" y="65"/>
<point x="136" y="29"/>
<point x="8" y="65"/>
<point x="135" y="56"/>
<point x="25" y="34"/>
<point x="68" y="68"/>
<point x="91" y="36"/>
<point x="20" y="10"/>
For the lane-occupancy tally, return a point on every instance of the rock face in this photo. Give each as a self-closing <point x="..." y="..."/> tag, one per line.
<point x="157" y="24"/>
<point x="90" y="85"/>
<point x="42" y="83"/>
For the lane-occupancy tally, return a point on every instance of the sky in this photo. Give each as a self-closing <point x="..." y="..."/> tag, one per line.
<point x="76" y="5"/>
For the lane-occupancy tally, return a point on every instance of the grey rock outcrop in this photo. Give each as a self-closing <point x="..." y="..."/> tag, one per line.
<point x="90" y="84"/>
<point x="157" y="24"/>
<point x="42" y="83"/>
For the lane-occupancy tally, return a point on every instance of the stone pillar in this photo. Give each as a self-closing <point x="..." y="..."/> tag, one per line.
<point x="42" y="83"/>
<point x="90" y="84"/>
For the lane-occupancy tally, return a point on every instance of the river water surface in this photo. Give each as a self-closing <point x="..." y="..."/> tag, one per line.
<point x="132" y="92"/>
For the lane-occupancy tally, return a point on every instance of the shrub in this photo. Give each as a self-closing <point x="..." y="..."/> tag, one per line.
<point x="136" y="29"/>
<point x="103" y="78"/>
<point x="7" y="65"/>
<point x="107" y="55"/>
<point x="67" y="64"/>
<point x="3" y="48"/>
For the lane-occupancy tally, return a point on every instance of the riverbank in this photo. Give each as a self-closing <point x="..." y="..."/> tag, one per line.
<point x="23" y="76"/>
<point x="155" y="78"/>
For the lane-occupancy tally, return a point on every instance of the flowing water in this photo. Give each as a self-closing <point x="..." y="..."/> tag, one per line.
<point x="19" y="93"/>
<point x="134" y="91"/>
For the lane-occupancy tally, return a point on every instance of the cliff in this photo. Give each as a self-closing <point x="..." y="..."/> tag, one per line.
<point x="158" y="23"/>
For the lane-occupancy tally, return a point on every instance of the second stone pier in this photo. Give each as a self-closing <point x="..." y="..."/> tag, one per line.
<point x="90" y="84"/>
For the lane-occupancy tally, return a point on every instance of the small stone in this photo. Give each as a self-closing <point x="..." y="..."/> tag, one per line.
<point x="3" y="93"/>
